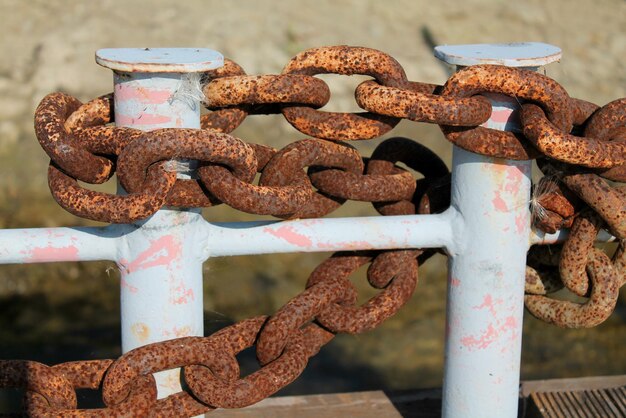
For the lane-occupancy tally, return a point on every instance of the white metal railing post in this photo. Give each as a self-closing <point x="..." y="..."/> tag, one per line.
<point x="161" y="293"/>
<point x="485" y="300"/>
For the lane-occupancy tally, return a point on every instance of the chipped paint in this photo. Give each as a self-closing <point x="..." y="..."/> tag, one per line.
<point x="499" y="203"/>
<point x="289" y="234"/>
<point x="180" y="294"/>
<point x="129" y="91"/>
<point x="124" y="284"/>
<point x="141" y="331"/>
<point x="141" y="119"/>
<point x="161" y="252"/>
<point x="51" y="253"/>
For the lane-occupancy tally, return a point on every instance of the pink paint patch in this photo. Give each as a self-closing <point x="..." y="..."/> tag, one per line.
<point x="125" y="92"/>
<point x="130" y="288"/>
<point x="160" y="253"/>
<point x="493" y="332"/>
<point x="514" y="176"/>
<point x="490" y="304"/>
<point x="501" y="116"/>
<point x="454" y="282"/>
<point x="181" y="295"/>
<point x="288" y="234"/>
<point x="498" y="203"/>
<point x="481" y="342"/>
<point x="50" y="253"/>
<point x="521" y="221"/>
<point x="143" y="119"/>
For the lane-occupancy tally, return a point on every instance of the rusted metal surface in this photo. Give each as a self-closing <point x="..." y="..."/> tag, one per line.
<point x="601" y="303"/>
<point x="261" y="200"/>
<point x="582" y="110"/>
<point x="609" y="124"/>
<point x="224" y="120"/>
<point x="344" y="60"/>
<point x="575" y="251"/>
<point x="554" y="143"/>
<point x="607" y="201"/>
<point x="522" y="84"/>
<point x="267" y="89"/>
<point x="107" y="207"/>
<point x="168" y="144"/>
<point x="416" y="105"/>
<point x="416" y="157"/>
<point x="356" y="319"/>
<point x="50" y="118"/>
<point x="37" y="377"/>
<point x="286" y="166"/>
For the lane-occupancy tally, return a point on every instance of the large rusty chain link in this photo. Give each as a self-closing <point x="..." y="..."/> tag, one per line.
<point x="580" y="147"/>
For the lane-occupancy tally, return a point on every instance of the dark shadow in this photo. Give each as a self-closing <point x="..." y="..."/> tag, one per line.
<point x="426" y="403"/>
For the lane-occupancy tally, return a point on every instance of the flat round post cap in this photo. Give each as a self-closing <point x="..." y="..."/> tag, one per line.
<point x="159" y="60"/>
<point x="519" y="54"/>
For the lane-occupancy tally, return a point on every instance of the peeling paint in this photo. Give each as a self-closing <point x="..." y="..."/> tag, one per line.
<point x="289" y="234"/>
<point x="498" y="203"/>
<point x="141" y="331"/>
<point x="126" y="285"/>
<point x="161" y="252"/>
<point x="142" y="119"/>
<point x="126" y="91"/>
<point x="495" y="330"/>
<point x="51" y="253"/>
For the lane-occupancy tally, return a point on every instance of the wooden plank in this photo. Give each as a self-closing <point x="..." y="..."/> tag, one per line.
<point x="580" y="397"/>
<point x="373" y="404"/>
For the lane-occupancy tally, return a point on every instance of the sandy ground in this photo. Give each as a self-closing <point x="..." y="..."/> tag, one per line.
<point x="48" y="46"/>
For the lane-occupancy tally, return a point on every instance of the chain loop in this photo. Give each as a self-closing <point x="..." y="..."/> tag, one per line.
<point x="601" y="302"/>
<point x="282" y="89"/>
<point x="521" y="84"/>
<point x="37" y="377"/>
<point x="169" y="144"/>
<point x="586" y="152"/>
<point x="353" y="319"/>
<point x="224" y="120"/>
<point x="344" y="60"/>
<point x="62" y="146"/>
<point x="417" y="157"/>
<point x="285" y="168"/>
<point x="418" y="104"/>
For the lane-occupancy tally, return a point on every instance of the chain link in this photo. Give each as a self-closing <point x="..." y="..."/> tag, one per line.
<point x="579" y="146"/>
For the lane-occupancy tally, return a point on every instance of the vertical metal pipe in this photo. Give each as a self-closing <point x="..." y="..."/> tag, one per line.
<point x="486" y="273"/>
<point x="161" y="273"/>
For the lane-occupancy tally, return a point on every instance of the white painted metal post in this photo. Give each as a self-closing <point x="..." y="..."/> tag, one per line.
<point x="161" y="273"/>
<point x="486" y="274"/>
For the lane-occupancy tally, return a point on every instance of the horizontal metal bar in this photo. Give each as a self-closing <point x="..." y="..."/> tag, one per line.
<point x="329" y="234"/>
<point x="43" y="245"/>
<point x="540" y="237"/>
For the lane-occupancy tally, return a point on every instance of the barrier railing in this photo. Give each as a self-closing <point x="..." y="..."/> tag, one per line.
<point x="159" y="239"/>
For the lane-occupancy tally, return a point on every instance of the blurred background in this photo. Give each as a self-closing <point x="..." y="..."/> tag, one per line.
<point x="70" y="311"/>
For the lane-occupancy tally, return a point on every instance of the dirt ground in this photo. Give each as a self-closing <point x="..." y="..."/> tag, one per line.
<point x="49" y="46"/>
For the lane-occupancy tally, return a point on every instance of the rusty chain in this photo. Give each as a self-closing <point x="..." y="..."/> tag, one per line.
<point x="579" y="146"/>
